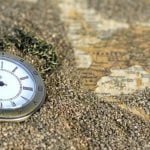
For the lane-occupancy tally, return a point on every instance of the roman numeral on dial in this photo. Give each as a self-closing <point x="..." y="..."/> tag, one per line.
<point x="1" y="105"/>
<point x="27" y="88"/>
<point x="14" y="69"/>
<point x="25" y="98"/>
<point x="2" y="64"/>
<point x="13" y="104"/>
<point x="23" y="78"/>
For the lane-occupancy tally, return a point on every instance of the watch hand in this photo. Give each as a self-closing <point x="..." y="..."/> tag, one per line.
<point x="2" y="83"/>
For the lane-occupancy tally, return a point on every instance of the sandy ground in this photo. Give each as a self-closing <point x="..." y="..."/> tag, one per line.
<point x="71" y="117"/>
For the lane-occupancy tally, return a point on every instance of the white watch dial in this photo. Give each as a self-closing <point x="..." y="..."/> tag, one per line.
<point x="17" y="86"/>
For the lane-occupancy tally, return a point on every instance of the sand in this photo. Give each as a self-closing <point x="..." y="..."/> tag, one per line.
<point x="71" y="117"/>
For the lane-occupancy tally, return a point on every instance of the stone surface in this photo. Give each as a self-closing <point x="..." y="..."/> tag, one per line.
<point x="73" y="117"/>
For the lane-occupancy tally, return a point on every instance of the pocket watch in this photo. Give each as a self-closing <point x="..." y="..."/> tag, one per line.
<point x="22" y="91"/>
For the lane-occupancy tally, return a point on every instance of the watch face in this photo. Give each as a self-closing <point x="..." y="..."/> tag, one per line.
<point x="22" y="90"/>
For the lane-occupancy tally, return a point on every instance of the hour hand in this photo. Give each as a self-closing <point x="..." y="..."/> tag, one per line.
<point x="2" y="83"/>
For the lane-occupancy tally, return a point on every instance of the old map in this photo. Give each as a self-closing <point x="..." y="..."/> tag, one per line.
<point x="98" y="96"/>
<point x="112" y="55"/>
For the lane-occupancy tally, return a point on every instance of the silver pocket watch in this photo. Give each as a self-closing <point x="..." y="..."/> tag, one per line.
<point x="22" y="90"/>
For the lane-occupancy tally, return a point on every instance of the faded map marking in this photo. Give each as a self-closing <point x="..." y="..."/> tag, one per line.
<point x="123" y="81"/>
<point x="32" y="1"/>
<point x="83" y="60"/>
